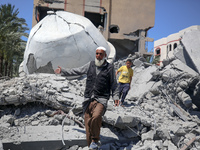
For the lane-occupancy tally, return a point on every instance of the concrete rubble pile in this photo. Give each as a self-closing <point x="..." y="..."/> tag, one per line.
<point x="161" y="110"/>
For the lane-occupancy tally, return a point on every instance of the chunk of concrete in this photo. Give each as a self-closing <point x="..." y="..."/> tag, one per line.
<point x="183" y="67"/>
<point x="168" y="73"/>
<point x="51" y="137"/>
<point x="60" y="39"/>
<point x="163" y="133"/>
<point x="120" y="120"/>
<point x="12" y="99"/>
<point x="185" y="98"/>
<point x="169" y="145"/>
<point x="191" y="43"/>
<point x="148" y="136"/>
<point x="141" y="81"/>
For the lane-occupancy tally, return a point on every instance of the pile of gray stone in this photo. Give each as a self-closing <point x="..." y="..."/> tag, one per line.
<point x="161" y="110"/>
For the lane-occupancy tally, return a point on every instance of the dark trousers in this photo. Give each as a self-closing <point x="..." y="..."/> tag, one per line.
<point x="93" y="121"/>
<point x="123" y="90"/>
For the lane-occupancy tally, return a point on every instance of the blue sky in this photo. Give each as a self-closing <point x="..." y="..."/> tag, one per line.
<point x="171" y="16"/>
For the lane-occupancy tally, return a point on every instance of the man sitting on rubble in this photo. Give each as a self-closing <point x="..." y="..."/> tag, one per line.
<point x="125" y="79"/>
<point x="100" y="82"/>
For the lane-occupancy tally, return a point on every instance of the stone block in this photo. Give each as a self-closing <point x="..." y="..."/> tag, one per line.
<point x="163" y="133"/>
<point x="35" y="123"/>
<point x="168" y="74"/>
<point x="119" y="120"/>
<point x="137" y="63"/>
<point x="185" y="98"/>
<point x="180" y="132"/>
<point x="155" y="88"/>
<point x="53" y="121"/>
<point x="183" y="84"/>
<point x="177" y="64"/>
<point x="148" y="136"/>
<point x="151" y="144"/>
<point x="191" y="42"/>
<point x="179" y="89"/>
<point x="141" y="81"/>
<point x="170" y="145"/>
<point x="175" y="139"/>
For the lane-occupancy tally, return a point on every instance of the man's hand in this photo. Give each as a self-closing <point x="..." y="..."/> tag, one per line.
<point x="58" y="70"/>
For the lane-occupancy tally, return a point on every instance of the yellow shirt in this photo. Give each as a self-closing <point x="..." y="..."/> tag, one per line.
<point x="126" y="74"/>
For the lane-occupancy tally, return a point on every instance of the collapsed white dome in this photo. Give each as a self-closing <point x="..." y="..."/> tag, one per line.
<point x="63" y="39"/>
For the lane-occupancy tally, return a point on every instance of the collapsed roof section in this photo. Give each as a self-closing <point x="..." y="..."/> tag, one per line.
<point x="65" y="39"/>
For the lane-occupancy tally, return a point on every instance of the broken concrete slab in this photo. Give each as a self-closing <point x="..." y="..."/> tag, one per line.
<point x="60" y="39"/>
<point x="140" y="81"/>
<point x="148" y="135"/>
<point x="152" y="111"/>
<point x="183" y="67"/>
<point x="185" y="98"/>
<point x="169" y="145"/>
<point x="52" y="137"/>
<point x="44" y="137"/>
<point x="120" y="120"/>
<point x="191" y="43"/>
<point x="181" y="54"/>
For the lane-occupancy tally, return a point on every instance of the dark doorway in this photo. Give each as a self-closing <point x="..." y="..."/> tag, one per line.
<point x="96" y="18"/>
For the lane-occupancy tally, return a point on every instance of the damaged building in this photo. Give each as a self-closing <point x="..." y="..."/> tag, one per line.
<point x="69" y="31"/>
<point x="161" y="111"/>
<point x="44" y="111"/>
<point x="124" y="24"/>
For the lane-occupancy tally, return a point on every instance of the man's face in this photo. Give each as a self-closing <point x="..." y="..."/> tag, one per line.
<point x="100" y="54"/>
<point x="128" y="64"/>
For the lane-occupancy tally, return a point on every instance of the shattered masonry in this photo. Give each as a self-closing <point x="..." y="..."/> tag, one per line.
<point x="161" y="110"/>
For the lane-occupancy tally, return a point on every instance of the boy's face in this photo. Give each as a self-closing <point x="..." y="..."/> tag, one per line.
<point x="128" y="64"/>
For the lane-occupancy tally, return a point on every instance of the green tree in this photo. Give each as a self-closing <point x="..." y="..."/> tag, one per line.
<point x="156" y="60"/>
<point x="12" y="47"/>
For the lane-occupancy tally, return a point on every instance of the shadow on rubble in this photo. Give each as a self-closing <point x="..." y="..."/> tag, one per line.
<point x="21" y="111"/>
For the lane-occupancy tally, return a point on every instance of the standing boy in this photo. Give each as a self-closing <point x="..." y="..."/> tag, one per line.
<point x="125" y="79"/>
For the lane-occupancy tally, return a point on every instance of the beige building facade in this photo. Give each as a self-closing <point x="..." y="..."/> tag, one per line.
<point x="124" y="23"/>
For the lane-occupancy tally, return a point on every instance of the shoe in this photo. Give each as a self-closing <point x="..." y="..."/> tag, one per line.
<point x="93" y="146"/>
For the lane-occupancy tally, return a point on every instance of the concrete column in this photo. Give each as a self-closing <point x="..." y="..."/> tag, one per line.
<point x="141" y="44"/>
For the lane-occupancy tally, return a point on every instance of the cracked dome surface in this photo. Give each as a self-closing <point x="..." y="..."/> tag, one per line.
<point x="63" y="39"/>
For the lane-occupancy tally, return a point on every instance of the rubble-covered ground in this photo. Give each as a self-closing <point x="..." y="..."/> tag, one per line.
<point x="161" y="111"/>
